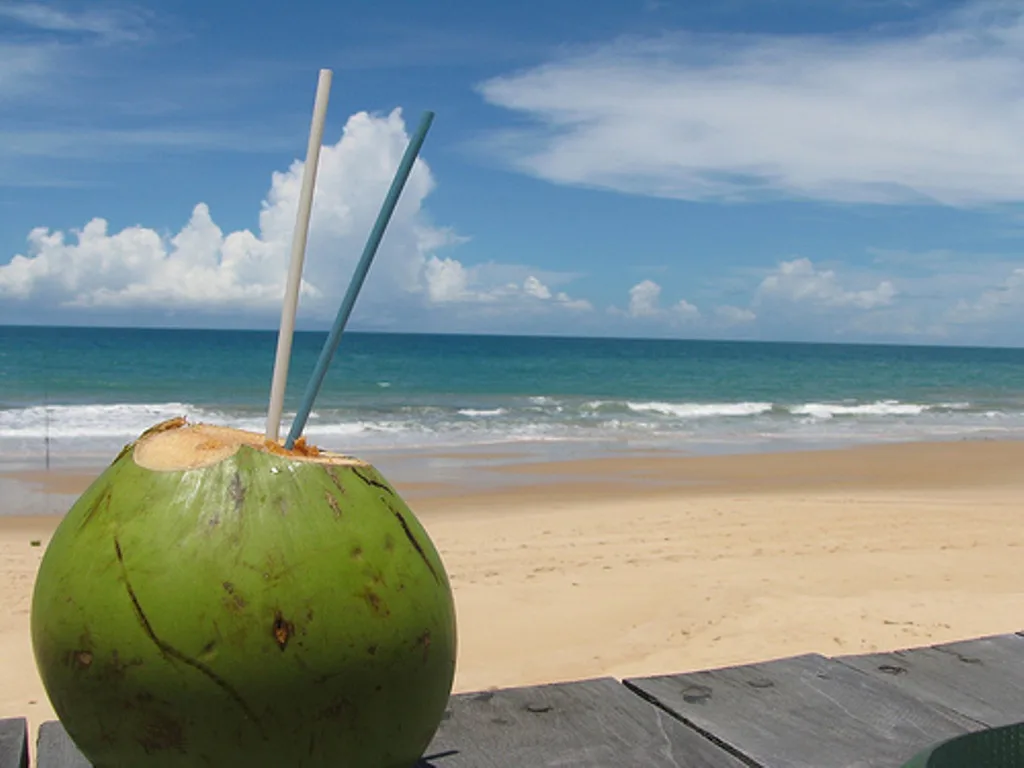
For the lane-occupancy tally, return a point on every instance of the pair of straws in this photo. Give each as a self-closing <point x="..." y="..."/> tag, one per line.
<point x="291" y="296"/>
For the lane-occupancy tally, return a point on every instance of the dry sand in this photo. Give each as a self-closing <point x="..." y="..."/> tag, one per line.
<point x="641" y="566"/>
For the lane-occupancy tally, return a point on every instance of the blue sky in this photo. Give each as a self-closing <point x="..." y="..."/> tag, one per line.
<point x="762" y="169"/>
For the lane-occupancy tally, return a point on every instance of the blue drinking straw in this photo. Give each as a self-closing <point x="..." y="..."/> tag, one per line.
<point x="376" y="235"/>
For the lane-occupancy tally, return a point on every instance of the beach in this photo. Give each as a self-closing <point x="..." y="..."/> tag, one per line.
<point x="655" y="562"/>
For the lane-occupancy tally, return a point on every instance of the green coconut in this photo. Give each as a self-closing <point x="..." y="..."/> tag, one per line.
<point x="214" y="600"/>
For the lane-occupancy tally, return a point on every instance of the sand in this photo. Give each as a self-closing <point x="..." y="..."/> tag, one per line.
<point x="663" y="564"/>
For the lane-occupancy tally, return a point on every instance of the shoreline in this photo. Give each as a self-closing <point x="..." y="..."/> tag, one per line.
<point x="447" y="459"/>
<point x="466" y="474"/>
<point x="670" y="563"/>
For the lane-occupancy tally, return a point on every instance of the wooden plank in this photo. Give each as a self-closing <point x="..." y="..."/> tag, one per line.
<point x="54" y="748"/>
<point x="806" y="712"/>
<point x="590" y="724"/>
<point x="14" y="743"/>
<point x="982" y="679"/>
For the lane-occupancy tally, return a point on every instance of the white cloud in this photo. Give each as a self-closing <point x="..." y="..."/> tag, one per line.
<point x="448" y="281"/>
<point x="136" y="267"/>
<point x="1000" y="302"/>
<point x="800" y="282"/>
<point x="645" y="302"/>
<point x="579" y="305"/>
<point x="30" y="64"/>
<point x="685" y="310"/>
<point x="884" y="118"/>
<point x="643" y="299"/>
<point x="107" y="23"/>
<point x="536" y="288"/>
<point x="729" y="315"/>
<point x="64" y="96"/>
<point x="203" y="269"/>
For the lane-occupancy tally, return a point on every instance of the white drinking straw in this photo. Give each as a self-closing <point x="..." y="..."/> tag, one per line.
<point x="291" y="293"/>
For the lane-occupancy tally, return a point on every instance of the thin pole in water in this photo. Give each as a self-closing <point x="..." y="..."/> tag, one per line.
<point x="376" y="235"/>
<point x="291" y="294"/>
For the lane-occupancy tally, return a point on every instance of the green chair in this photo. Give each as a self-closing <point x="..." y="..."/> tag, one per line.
<point x="1001" y="747"/>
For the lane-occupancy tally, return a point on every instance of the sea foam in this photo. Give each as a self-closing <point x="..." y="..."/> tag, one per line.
<point x="103" y="429"/>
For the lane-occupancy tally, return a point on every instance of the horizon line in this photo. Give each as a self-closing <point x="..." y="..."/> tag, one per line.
<point x="560" y="336"/>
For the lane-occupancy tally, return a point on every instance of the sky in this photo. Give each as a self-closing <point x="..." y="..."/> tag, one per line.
<point x="849" y="171"/>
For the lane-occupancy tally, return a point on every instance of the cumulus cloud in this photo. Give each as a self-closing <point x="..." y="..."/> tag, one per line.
<point x="645" y="302"/>
<point x="448" y="281"/>
<point x="201" y="268"/>
<point x="930" y="115"/>
<point x="729" y="315"/>
<point x="136" y="267"/>
<point x="800" y="282"/>
<point x="685" y="310"/>
<point x="645" y="305"/>
<point x="643" y="299"/>
<point x="536" y="288"/>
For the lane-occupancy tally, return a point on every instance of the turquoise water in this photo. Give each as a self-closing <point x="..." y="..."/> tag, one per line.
<point x="88" y="390"/>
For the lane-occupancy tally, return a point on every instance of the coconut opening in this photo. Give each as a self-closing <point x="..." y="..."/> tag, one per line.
<point x="176" y="445"/>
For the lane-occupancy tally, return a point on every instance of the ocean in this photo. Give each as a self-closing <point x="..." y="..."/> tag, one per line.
<point x="79" y="394"/>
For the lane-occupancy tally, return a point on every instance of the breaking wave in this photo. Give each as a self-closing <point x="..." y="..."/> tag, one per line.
<point x="98" y="430"/>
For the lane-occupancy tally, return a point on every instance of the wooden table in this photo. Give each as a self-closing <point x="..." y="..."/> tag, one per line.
<point x="872" y="711"/>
